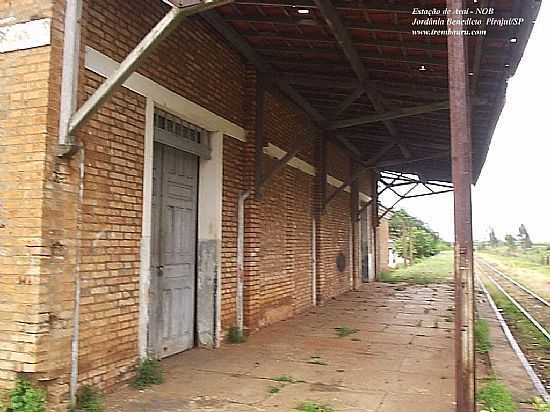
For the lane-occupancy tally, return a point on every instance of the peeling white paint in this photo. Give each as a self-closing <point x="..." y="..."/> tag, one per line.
<point x="21" y="36"/>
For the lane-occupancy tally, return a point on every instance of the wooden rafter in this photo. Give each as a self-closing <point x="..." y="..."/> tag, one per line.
<point x="341" y="34"/>
<point x="394" y="114"/>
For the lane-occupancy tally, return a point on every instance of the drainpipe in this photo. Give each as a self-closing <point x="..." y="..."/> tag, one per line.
<point x="69" y="76"/>
<point x="73" y="384"/>
<point x="240" y="259"/>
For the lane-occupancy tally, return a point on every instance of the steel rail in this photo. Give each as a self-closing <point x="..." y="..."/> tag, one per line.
<point x="519" y="285"/>
<point x="537" y="383"/>
<point x="521" y="308"/>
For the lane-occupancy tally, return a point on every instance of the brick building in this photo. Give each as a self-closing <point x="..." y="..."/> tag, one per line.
<point x="159" y="224"/>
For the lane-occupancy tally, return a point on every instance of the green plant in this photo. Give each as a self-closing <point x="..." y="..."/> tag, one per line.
<point x="273" y="390"/>
<point x="149" y="372"/>
<point x="344" y="331"/>
<point x="495" y="397"/>
<point x="540" y="406"/>
<point x="286" y="379"/>
<point x="313" y="407"/>
<point x="89" y="399"/>
<point x="482" y="338"/>
<point x="236" y="335"/>
<point x="26" y="398"/>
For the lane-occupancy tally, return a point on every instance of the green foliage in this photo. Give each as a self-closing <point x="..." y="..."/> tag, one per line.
<point x="526" y="330"/>
<point x="89" y="399"/>
<point x="26" y="398"/>
<point x="493" y="240"/>
<point x="149" y="372"/>
<point x="495" y="397"/>
<point x="413" y="239"/>
<point x="235" y="335"/>
<point x="313" y="407"/>
<point x="286" y="379"/>
<point x="344" y="331"/>
<point x="524" y="238"/>
<point x="540" y="406"/>
<point x="273" y="390"/>
<point x="435" y="269"/>
<point x="482" y="338"/>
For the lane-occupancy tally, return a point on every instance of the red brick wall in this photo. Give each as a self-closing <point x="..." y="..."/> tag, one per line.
<point x="105" y="228"/>
<point x="232" y="187"/>
<point x="110" y="224"/>
<point x="25" y="313"/>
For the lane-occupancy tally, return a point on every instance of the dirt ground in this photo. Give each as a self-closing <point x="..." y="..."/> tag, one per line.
<point x="400" y="359"/>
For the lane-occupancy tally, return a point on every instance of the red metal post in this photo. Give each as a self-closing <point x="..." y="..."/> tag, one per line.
<point x="461" y="150"/>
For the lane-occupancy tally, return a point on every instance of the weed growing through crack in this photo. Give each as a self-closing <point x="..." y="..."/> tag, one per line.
<point x="313" y="407"/>
<point x="236" y="335"/>
<point x="540" y="406"/>
<point x="344" y="331"/>
<point x="149" y="372"/>
<point x="494" y="396"/>
<point x="89" y="399"/>
<point x="481" y="335"/>
<point x="273" y="390"/>
<point x="286" y="379"/>
<point x="25" y="397"/>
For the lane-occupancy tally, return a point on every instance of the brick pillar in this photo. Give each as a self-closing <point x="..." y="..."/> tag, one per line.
<point x="319" y="194"/>
<point x="355" y="253"/>
<point x="252" y="285"/>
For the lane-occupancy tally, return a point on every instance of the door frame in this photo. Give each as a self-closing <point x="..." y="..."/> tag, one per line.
<point x="209" y="236"/>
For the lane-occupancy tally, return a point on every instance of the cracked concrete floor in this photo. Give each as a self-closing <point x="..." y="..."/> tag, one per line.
<point x="399" y="360"/>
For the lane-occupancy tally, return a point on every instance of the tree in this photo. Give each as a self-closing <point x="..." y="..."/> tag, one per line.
<point x="413" y="238"/>
<point x="510" y="241"/>
<point x="493" y="240"/>
<point x="524" y="238"/>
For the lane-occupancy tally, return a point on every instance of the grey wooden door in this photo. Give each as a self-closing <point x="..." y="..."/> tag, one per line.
<point x="174" y="215"/>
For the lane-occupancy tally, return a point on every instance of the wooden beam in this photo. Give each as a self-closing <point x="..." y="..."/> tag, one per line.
<point x="370" y="163"/>
<point x="461" y="144"/>
<point x="394" y="114"/>
<point x="311" y="21"/>
<point x="347" y="102"/>
<point x="379" y="6"/>
<point x="367" y="56"/>
<point x="344" y="40"/>
<point x="281" y="163"/>
<point x="237" y="41"/>
<point x="416" y="45"/>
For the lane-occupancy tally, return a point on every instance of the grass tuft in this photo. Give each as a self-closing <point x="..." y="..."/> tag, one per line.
<point x="235" y="335"/>
<point x="540" y="406"/>
<point x="495" y="397"/>
<point x="482" y="337"/>
<point x="89" y="399"/>
<point x="313" y="407"/>
<point x="149" y="372"/>
<point x="344" y="331"/>
<point x="435" y="269"/>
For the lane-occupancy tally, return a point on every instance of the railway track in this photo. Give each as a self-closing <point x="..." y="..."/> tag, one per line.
<point x="535" y="308"/>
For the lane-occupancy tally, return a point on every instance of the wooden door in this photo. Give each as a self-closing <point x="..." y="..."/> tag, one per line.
<point x="173" y="282"/>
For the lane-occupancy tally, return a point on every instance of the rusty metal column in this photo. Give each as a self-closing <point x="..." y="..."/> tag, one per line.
<point x="461" y="148"/>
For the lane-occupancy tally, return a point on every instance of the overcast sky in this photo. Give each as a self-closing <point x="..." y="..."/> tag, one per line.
<point x="514" y="184"/>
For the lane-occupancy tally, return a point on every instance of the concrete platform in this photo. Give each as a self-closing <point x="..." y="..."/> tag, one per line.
<point x="399" y="360"/>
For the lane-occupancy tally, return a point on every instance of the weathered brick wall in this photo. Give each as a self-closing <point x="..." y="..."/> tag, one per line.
<point x="24" y="99"/>
<point x="56" y="236"/>
<point x="193" y="61"/>
<point x="232" y="187"/>
<point x="110" y="231"/>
